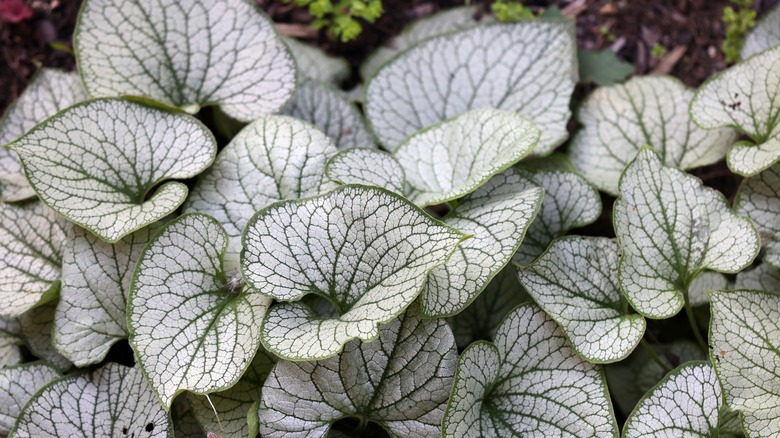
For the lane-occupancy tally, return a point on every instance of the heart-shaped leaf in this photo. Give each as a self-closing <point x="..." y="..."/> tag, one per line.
<point x="575" y="282"/>
<point x="48" y="92"/>
<point x="31" y="237"/>
<point x="528" y="67"/>
<point x="745" y="340"/>
<point x="365" y="249"/>
<point x="687" y="402"/>
<point x="192" y="324"/>
<point x="648" y="110"/>
<point x="569" y="202"/>
<point x="453" y="158"/>
<point x="17" y="386"/>
<point x="10" y="340"/>
<point x="745" y="97"/>
<point x="112" y="401"/>
<point x="497" y="214"/>
<point x="764" y="36"/>
<point x="329" y="110"/>
<point x="401" y="381"/>
<point x="238" y="406"/>
<point x="97" y="163"/>
<point x="271" y="159"/>
<point x="762" y="277"/>
<point x="185" y="53"/>
<point x="480" y="319"/>
<point x="315" y="64"/>
<point x="759" y="199"/>
<point x="529" y="382"/>
<point x="707" y="280"/>
<point x="370" y="167"/>
<point x="671" y="227"/>
<point x="96" y="279"/>
<point x="440" y="23"/>
<point x="37" y="325"/>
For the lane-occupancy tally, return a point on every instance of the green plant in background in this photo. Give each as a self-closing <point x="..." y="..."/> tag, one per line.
<point x="738" y="22"/>
<point x="341" y="19"/>
<point x="658" y="50"/>
<point x="507" y="11"/>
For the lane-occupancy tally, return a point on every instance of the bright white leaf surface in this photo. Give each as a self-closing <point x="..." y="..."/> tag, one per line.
<point x="527" y="67"/>
<point x="17" y="386"/>
<point x="271" y="159"/>
<point x="366" y="249"/>
<point x="440" y="23"/>
<point x="575" y="282"/>
<point x="112" y="401"/>
<point x="98" y="163"/>
<point x="313" y="63"/>
<point x="192" y="325"/>
<point x="746" y="97"/>
<point x="329" y="110"/>
<point x="764" y="36"/>
<point x="647" y="110"/>
<point x="481" y="318"/>
<point x="48" y="92"/>
<point x="671" y="227"/>
<point x="369" y="167"/>
<point x="10" y="340"/>
<point x="759" y="199"/>
<point x="529" y="382"/>
<point x="497" y="214"/>
<point x="31" y="238"/>
<point x="185" y="53"/>
<point x="96" y="277"/>
<point x="37" y="325"/>
<point x="707" y="280"/>
<point x="236" y="405"/>
<point x="687" y="403"/>
<point x="745" y="339"/>
<point x="762" y="277"/>
<point x="400" y="381"/>
<point x="569" y="202"/>
<point x="453" y="158"/>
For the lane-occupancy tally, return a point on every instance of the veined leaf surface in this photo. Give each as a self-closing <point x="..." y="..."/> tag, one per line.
<point x="764" y="36"/>
<point x="313" y="63"/>
<point x="17" y="386"/>
<point x="37" y="325"/>
<point x="10" y="340"/>
<point x="369" y="167"/>
<point x="759" y="199"/>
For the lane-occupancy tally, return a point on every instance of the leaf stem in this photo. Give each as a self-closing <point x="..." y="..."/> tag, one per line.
<point x="653" y="355"/>
<point x="692" y="321"/>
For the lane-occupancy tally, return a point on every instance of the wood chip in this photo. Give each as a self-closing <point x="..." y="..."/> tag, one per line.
<point x="667" y="63"/>
<point x="296" y="30"/>
<point x="574" y="8"/>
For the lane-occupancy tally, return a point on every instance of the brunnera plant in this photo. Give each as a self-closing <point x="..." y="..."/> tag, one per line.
<point x="402" y="268"/>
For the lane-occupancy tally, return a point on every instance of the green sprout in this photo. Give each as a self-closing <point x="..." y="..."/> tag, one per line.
<point x="341" y="19"/>
<point x="738" y="22"/>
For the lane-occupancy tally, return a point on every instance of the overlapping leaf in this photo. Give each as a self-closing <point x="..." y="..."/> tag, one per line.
<point x="31" y="237"/>
<point x="193" y="325"/>
<point x="441" y="23"/>
<point x="315" y="64"/>
<point x="575" y="282"/>
<point x="569" y="202"/>
<point x="670" y="228"/>
<point x="96" y="279"/>
<point x="686" y="403"/>
<point x="528" y="67"/>
<point x="10" y="340"/>
<point x="762" y="277"/>
<point x="272" y="159"/>
<point x="17" y="386"/>
<point x="187" y="54"/>
<point x="365" y="249"/>
<point x="746" y="97"/>
<point x="453" y="158"/>
<point x="369" y="167"/>
<point x="329" y="110"/>
<point x="707" y="280"/>
<point x="37" y="325"/>
<point x="48" y="92"/>
<point x="745" y="340"/>
<point x="759" y="199"/>
<point x="400" y="381"/>
<point x="528" y="382"/>
<point x="764" y="36"/>
<point x="113" y="401"/>
<point x="649" y="110"/>
<point x="497" y="214"/>
<point x="98" y="163"/>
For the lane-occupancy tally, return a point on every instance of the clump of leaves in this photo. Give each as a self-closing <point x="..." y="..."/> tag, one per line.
<point x="341" y="18"/>
<point x="510" y="11"/>
<point x="404" y="269"/>
<point x="738" y="20"/>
